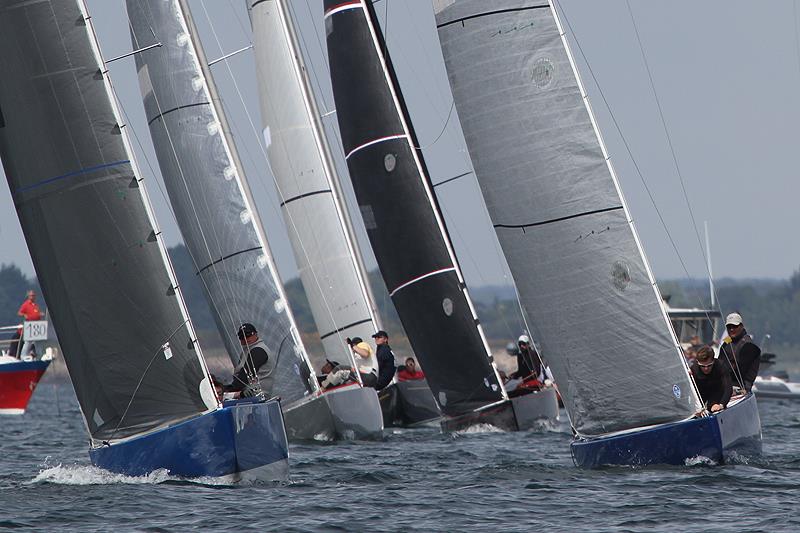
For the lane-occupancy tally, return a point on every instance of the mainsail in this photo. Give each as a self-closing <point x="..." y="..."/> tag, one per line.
<point x="401" y="215"/>
<point x="208" y="193"/>
<point x="131" y="351"/>
<point x="325" y="248"/>
<point x="554" y="200"/>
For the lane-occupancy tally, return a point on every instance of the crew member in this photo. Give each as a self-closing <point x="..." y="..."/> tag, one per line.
<point x="386" y="364"/>
<point x="713" y="380"/>
<point x="528" y="362"/>
<point x="254" y="371"/>
<point x="409" y="371"/>
<point x="739" y="353"/>
<point x="365" y="360"/>
<point x="334" y="374"/>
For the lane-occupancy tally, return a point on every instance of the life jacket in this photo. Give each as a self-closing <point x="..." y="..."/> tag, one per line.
<point x="264" y="373"/>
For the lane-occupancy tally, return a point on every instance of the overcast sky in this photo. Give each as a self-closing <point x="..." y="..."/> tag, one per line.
<point x="726" y="76"/>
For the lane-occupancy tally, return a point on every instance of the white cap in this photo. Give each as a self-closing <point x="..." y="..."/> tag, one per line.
<point x="524" y="338"/>
<point x="733" y="319"/>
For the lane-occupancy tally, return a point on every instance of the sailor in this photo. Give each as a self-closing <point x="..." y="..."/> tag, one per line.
<point x="528" y="363"/>
<point x="409" y="371"/>
<point x="739" y="353"/>
<point x="365" y="360"/>
<point x="254" y="371"/>
<point x="713" y="380"/>
<point x="386" y="364"/>
<point x="29" y="310"/>
<point x="334" y="374"/>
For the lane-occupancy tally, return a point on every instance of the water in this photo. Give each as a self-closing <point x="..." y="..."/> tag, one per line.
<point x="416" y="480"/>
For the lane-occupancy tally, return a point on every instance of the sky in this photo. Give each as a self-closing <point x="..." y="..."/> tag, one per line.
<point x="716" y="83"/>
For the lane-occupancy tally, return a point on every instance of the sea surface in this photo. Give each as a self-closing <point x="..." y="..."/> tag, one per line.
<point x="414" y="480"/>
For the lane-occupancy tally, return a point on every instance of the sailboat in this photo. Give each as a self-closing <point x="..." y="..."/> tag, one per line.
<point x="137" y="369"/>
<point x="408" y="234"/>
<point x="221" y="227"/>
<point x="588" y="293"/>
<point x="320" y="230"/>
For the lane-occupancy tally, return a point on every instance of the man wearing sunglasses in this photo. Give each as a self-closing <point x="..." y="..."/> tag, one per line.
<point x="739" y="353"/>
<point x="713" y="380"/>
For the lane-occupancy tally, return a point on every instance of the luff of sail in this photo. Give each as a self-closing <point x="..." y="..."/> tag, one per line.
<point x="316" y="216"/>
<point x="402" y="219"/>
<point x="122" y="326"/>
<point x="208" y="194"/>
<point x="582" y="279"/>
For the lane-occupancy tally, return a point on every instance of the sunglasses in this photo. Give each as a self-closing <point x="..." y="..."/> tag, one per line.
<point x="732" y="326"/>
<point x="707" y="365"/>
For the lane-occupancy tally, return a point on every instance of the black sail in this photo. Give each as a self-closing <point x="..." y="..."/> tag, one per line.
<point x="403" y="222"/>
<point x="123" y="330"/>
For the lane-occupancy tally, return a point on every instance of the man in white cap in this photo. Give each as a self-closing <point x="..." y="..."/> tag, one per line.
<point x="740" y="353"/>
<point x="528" y="362"/>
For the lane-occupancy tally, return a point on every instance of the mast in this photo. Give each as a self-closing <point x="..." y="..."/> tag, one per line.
<point x="131" y="350"/>
<point x="212" y="202"/>
<point x="380" y="147"/>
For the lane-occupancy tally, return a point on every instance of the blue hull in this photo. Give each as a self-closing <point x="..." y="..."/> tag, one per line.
<point x="734" y="431"/>
<point x="241" y="441"/>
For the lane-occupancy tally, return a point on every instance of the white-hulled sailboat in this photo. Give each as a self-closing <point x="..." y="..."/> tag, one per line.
<point x="583" y="280"/>
<point x="138" y="373"/>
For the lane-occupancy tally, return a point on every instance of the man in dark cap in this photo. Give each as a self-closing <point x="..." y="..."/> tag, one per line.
<point x="739" y="353"/>
<point x="385" y="355"/>
<point x="253" y="372"/>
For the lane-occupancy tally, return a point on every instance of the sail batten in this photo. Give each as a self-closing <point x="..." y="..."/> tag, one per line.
<point x="559" y="214"/>
<point x="209" y="195"/>
<point x="402" y="217"/>
<point x="122" y="325"/>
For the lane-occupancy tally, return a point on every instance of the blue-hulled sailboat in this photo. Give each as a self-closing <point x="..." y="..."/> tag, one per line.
<point x="585" y="286"/>
<point x="138" y="372"/>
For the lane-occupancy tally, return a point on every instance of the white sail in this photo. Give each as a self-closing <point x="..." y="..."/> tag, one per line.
<point x="209" y="194"/>
<point x="554" y="200"/>
<point x="325" y="248"/>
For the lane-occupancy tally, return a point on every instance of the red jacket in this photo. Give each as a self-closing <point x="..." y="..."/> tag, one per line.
<point x="405" y="375"/>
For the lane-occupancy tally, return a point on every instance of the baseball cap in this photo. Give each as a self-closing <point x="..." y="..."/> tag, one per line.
<point x="524" y="338"/>
<point x="245" y="330"/>
<point x="380" y="333"/>
<point x="733" y="319"/>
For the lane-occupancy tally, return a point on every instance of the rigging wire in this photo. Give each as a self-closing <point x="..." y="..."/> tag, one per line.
<point x="629" y="152"/>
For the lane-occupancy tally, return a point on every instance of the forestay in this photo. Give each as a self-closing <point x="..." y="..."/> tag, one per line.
<point x="582" y="279"/>
<point x="402" y="218"/>
<point x="208" y="193"/>
<point x="121" y="323"/>
<point x="324" y="244"/>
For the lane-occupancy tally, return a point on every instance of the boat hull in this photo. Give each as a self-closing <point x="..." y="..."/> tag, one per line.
<point x="408" y="404"/>
<point x="241" y="441"/>
<point x="734" y="431"/>
<point x="520" y="413"/>
<point x="18" y="380"/>
<point x="348" y="412"/>
<point x="775" y="388"/>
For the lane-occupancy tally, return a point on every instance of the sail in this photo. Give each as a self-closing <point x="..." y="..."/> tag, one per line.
<point x="324" y="244"/>
<point x="582" y="278"/>
<point x="402" y="218"/>
<point x="206" y="187"/>
<point x="123" y="329"/>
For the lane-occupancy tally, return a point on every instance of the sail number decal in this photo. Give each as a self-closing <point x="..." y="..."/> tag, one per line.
<point x="35" y="330"/>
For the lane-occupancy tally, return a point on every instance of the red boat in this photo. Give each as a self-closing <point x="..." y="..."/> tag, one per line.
<point x="18" y="380"/>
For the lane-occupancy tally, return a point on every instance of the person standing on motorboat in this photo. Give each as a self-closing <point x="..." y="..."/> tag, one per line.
<point x="253" y="372"/>
<point x="386" y="364"/>
<point x="365" y="358"/>
<point x="713" y="380"/>
<point x="739" y="353"/>
<point x="29" y="310"/>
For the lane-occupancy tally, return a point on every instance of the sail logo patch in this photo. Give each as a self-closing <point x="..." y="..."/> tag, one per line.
<point x="543" y="72"/>
<point x="620" y="275"/>
<point x="447" y="306"/>
<point x="676" y="391"/>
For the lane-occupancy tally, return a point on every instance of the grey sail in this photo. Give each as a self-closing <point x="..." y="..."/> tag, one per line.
<point x="582" y="278"/>
<point x="124" y="332"/>
<point x="209" y="196"/>
<point x="316" y="216"/>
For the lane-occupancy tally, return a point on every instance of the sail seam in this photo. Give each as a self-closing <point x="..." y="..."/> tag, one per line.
<point x="560" y="219"/>
<point x="227" y="257"/>
<point x="334" y="332"/>
<point x="168" y="111"/>
<point x="86" y="170"/>
<point x="374" y="141"/>
<point x="420" y="278"/>
<point x="304" y="195"/>
<point x="496" y="12"/>
<point x="448" y="180"/>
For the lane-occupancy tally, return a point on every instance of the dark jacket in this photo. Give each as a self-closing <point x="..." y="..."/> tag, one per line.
<point x="742" y="358"/>
<point x="386" y="366"/>
<point x="255" y="360"/>
<point x="527" y="363"/>
<point x="714" y="387"/>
